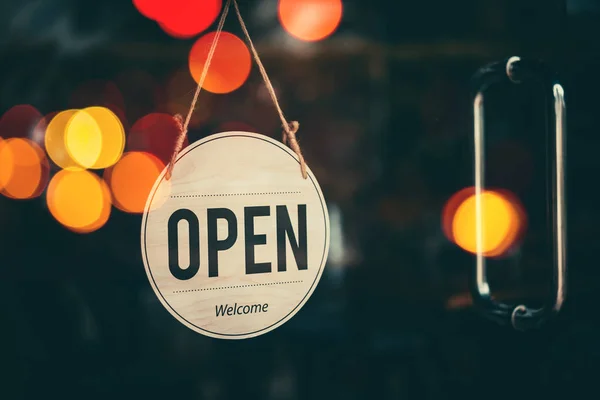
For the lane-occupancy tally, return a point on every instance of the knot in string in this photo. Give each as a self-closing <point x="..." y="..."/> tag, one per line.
<point x="178" y="144"/>
<point x="289" y="138"/>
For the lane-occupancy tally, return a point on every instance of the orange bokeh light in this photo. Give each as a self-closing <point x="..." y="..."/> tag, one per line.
<point x="132" y="179"/>
<point x="230" y="66"/>
<point x="502" y="216"/>
<point x="6" y="165"/>
<point x="450" y="210"/>
<point x="79" y="200"/>
<point x="310" y="20"/>
<point x="24" y="169"/>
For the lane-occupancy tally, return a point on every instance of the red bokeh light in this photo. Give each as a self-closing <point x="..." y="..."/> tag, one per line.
<point x="155" y="134"/>
<point x="181" y="19"/>
<point x="141" y="92"/>
<point x="187" y="18"/>
<point x="99" y="93"/>
<point x="39" y="131"/>
<point x="19" y="121"/>
<point x="149" y="8"/>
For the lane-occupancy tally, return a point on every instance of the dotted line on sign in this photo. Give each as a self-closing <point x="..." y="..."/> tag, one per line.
<point x="236" y="287"/>
<point x="230" y="194"/>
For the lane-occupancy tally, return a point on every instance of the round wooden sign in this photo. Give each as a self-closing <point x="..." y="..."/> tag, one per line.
<point x="236" y="241"/>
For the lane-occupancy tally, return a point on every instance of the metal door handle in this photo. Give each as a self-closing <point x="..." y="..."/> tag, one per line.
<point x="521" y="316"/>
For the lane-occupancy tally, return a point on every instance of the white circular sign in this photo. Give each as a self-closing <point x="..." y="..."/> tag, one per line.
<point x="236" y="241"/>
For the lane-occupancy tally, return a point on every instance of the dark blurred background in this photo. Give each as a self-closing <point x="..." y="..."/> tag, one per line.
<point x="385" y="109"/>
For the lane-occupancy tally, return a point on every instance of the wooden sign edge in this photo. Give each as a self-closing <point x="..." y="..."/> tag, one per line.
<point x="308" y="294"/>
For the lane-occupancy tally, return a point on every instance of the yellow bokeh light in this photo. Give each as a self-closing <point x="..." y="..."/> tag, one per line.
<point x="83" y="139"/>
<point x="23" y="168"/>
<point x="55" y="141"/>
<point x="499" y="221"/>
<point x="92" y="138"/>
<point x="112" y="136"/>
<point x="132" y="179"/>
<point x="79" y="200"/>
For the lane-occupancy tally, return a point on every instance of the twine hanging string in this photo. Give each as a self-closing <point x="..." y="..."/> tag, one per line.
<point x="183" y="125"/>
<point x="289" y="128"/>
